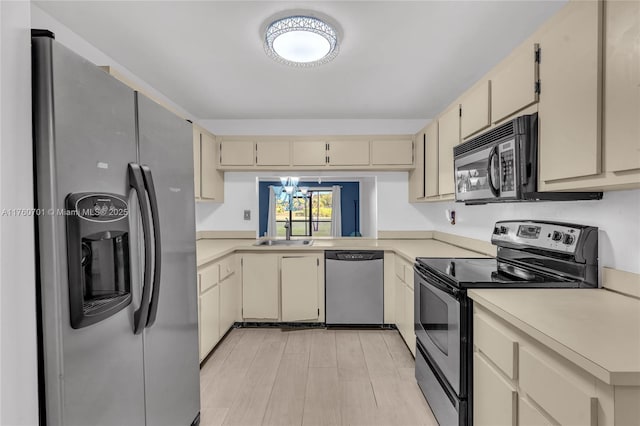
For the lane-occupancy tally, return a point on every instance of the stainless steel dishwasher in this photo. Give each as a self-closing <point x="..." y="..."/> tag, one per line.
<point x="354" y="292"/>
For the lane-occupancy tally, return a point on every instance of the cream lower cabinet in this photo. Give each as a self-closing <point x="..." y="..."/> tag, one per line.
<point x="299" y="284"/>
<point x="218" y="302"/>
<point x="404" y="304"/>
<point x="519" y="381"/>
<point x="260" y="282"/>
<point x="282" y="287"/>
<point x="209" y="320"/>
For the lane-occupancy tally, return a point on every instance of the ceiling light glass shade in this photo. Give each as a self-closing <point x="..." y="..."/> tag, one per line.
<point x="301" y="41"/>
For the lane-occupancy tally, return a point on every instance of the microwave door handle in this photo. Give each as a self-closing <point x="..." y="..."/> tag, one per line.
<point x="494" y="154"/>
<point x="136" y="181"/>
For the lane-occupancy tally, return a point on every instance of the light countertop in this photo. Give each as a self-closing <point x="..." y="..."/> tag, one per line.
<point x="597" y="329"/>
<point x="212" y="249"/>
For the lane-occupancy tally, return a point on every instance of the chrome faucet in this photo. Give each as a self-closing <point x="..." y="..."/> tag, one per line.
<point x="287" y="229"/>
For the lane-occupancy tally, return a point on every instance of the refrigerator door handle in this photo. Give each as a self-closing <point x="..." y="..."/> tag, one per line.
<point x="157" y="241"/>
<point x="136" y="181"/>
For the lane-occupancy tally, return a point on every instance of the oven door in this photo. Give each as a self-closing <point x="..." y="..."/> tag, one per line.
<point x="486" y="174"/>
<point x="438" y="326"/>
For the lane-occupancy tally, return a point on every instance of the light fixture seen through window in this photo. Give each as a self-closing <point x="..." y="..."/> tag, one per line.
<point x="301" y="41"/>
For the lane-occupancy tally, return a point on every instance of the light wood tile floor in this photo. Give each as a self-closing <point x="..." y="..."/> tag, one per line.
<point x="311" y="377"/>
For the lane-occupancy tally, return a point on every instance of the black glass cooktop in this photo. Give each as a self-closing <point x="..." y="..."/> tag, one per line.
<point x="488" y="273"/>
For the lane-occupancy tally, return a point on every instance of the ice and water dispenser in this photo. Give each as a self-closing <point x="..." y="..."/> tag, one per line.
<point x="98" y="256"/>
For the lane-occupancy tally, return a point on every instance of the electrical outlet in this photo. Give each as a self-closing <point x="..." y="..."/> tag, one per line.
<point x="247" y="215"/>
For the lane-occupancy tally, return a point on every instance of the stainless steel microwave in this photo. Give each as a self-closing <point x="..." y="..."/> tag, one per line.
<point x="499" y="165"/>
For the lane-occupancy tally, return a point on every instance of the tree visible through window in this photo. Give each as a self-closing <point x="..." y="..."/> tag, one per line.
<point x="310" y="214"/>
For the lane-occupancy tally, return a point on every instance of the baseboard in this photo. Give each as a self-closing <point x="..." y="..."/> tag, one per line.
<point x="623" y="282"/>
<point x="226" y="235"/>
<point x="405" y="235"/>
<point x="479" y="246"/>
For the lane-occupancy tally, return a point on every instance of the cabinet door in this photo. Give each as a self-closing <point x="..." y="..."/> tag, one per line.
<point x="299" y="288"/>
<point x="622" y="85"/>
<point x="209" y="320"/>
<point x="528" y="415"/>
<point x="475" y="110"/>
<point x="494" y="399"/>
<point x="448" y="137"/>
<point x="196" y="162"/>
<point x="409" y="304"/>
<point x="309" y="153"/>
<point x="392" y="152"/>
<point x="416" y="176"/>
<point x="212" y="179"/>
<point x="348" y="153"/>
<point x="570" y="104"/>
<point x="260" y="286"/>
<point x="513" y="83"/>
<point x="229" y="301"/>
<point x="272" y="153"/>
<point x="236" y="153"/>
<point x="431" y="173"/>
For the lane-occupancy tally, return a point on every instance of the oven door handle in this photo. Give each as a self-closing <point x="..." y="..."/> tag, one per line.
<point x="490" y="167"/>
<point x="428" y="278"/>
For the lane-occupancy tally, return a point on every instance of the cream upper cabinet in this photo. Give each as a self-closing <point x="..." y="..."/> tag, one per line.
<point x="494" y="399"/>
<point x="570" y="97"/>
<point x="237" y="153"/>
<point x="273" y="153"/>
<point x="448" y="137"/>
<point x="431" y="172"/>
<point x="475" y="110"/>
<point x="309" y="153"/>
<point x="513" y="83"/>
<point x="196" y="163"/>
<point x="299" y="285"/>
<point x="416" y="176"/>
<point x="392" y="152"/>
<point x="260" y="298"/>
<point x="622" y="85"/>
<point x="211" y="179"/>
<point x="348" y="153"/>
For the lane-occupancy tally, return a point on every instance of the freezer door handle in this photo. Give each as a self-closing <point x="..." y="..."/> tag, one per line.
<point x="136" y="181"/>
<point x="157" y="242"/>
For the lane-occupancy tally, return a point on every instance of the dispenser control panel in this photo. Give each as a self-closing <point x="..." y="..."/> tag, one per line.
<point x="101" y="208"/>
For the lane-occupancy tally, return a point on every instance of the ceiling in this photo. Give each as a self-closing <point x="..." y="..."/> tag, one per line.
<point x="397" y="60"/>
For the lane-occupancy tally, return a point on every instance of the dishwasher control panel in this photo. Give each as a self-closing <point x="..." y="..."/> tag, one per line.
<point x="354" y="255"/>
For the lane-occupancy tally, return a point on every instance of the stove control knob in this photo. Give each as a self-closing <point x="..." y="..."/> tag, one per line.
<point x="557" y="236"/>
<point x="496" y="231"/>
<point x="504" y="230"/>
<point x="568" y="239"/>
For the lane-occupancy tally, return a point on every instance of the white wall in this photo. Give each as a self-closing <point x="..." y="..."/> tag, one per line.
<point x="617" y="215"/>
<point x="18" y="359"/>
<point x="393" y="210"/>
<point x="42" y="20"/>
<point x="302" y="127"/>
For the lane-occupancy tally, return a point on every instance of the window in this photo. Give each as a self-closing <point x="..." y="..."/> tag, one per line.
<point x="310" y="215"/>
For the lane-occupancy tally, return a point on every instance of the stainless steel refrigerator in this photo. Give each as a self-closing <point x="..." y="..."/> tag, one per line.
<point x="116" y="249"/>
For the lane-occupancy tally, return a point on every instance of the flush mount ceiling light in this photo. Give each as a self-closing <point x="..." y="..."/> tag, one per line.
<point x="301" y="41"/>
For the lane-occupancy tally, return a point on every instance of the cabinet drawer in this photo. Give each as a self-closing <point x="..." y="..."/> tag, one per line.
<point x="563" y="399"/>
<point x="496" y="345"/>
<point x="208" y="277"/>
<point x="528" y="415"/>
<point x="399" y="267"/>
<point x="227" y="267"/>
<point x="408" y="275"/>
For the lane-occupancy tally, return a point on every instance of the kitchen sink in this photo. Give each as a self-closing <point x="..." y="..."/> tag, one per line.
<point x="284" y="243"/>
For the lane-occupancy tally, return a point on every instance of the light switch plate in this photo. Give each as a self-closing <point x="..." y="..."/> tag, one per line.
<point x="247" y="215"/>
